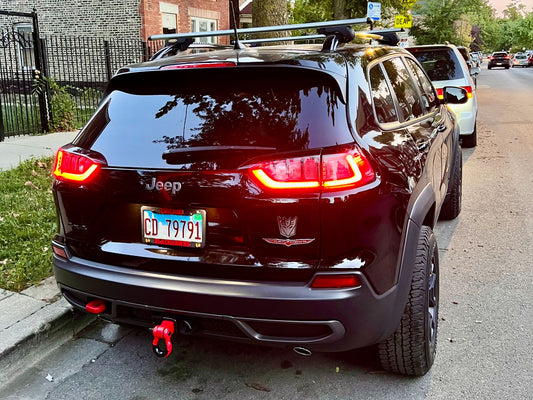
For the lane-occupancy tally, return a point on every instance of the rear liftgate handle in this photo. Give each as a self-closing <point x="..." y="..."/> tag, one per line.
<point x="162" y="333"/>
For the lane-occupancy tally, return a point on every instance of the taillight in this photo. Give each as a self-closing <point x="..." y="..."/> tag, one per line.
<point x="292" y="173"/>
<point x="329" y="172"/>
<point x="469" y="93"/>
<point x="440" y="93"/>
<point x="506" y="57"/>
<point x="199" y="65"/>
<point x="74" y="167"/>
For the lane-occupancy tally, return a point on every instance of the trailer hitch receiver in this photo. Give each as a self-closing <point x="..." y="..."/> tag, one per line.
<point x="162" y="344"/>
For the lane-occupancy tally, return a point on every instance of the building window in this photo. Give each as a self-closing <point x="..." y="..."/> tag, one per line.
<point x="24" y="38"/>
<point x="169" y="17"/>
<point x="169" y="23"/>
<point x="204" y="25"/>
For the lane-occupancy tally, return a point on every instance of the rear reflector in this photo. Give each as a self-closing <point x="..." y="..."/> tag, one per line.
<point x="329" y="172"/>
<point x="336" y="282"/>
<point x="199" y="65"/>
<point x="59" y="251"/>
<point x="74" y="167"/>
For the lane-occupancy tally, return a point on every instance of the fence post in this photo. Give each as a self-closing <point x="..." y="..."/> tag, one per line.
<point x="107" y="59"/>
<point x="1" y="122"/>
<point x="44" y="105"/>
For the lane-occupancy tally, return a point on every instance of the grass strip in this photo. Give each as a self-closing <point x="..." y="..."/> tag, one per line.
<point x="27" y="224"/>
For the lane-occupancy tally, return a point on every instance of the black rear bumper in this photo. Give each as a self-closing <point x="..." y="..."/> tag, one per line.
<point x="270" y="313"/>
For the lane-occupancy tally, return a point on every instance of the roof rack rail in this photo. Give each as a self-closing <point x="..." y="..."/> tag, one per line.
<point x="284" y="39"/>
<point x="337" y="29"/>
<point x="334" y="32"/>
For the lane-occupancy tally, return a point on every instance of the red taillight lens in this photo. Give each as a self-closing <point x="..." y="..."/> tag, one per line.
<point x="336" y="282"/>
<point x="199" y="65"/>
<point x="332" y="171"/>
<point x="292" y="173"/>
<point x="343" y="170"/>
<point x="506" y="57"/>
<point x="440" y="93"/>
<point x="74" y="167"/>
<point x="469" y="92"/>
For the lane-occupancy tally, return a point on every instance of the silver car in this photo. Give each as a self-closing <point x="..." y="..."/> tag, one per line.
<point x="520" y="60"/>
<point x="445" y="66"/>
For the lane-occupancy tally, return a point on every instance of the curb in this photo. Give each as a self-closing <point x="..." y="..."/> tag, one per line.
<point x="33" y="326"/>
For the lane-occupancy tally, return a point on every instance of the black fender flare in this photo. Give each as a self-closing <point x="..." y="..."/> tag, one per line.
<point x="421" y="213"/>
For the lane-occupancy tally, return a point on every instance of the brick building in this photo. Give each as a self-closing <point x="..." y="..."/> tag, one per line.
<point x="127" y="19"/>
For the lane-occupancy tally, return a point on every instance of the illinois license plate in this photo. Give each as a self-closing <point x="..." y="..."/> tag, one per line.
<point x="165" y="226"/>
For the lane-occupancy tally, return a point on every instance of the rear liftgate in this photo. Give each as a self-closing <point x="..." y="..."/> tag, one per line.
<point x="333" y="33"/>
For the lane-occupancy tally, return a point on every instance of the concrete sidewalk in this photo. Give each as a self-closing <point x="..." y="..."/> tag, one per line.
<point x="13" y="150"/>
<point x="37" y="320"/>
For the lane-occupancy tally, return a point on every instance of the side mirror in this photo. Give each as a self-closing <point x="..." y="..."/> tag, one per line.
<point x="475" y="71"/>
<point x="454" y="95"/>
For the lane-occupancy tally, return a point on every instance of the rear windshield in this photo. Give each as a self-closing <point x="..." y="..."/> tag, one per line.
<point x="499" y="54"/>
<point x="439" y="64"/>
<point x="287" y="109"/>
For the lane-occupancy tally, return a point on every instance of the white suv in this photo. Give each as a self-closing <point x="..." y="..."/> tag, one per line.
<point x="446" y="67"/>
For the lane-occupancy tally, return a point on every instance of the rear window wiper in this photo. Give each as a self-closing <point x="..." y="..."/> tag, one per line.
<point x="211" y="153"/>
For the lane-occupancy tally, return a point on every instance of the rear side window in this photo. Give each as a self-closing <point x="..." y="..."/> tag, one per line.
<point x="429" y="97"/>
<point x="439" y="64"/>
<point x="404" y="88"/>
<point x="382" y="97"/>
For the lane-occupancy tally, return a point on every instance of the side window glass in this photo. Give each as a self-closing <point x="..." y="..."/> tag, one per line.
<point x="429" y="97"/>
<point x="404" y="88"/>
<point x="381" y="97"/>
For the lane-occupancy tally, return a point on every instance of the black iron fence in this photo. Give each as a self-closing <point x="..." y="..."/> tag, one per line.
<point x="56" y="82"/>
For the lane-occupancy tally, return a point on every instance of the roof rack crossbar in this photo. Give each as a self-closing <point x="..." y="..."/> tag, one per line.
<point x="283" y="39"/>
<point x="262" y="29"/>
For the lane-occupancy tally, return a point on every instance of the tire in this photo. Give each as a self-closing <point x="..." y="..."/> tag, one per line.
<point x="451" y="207"/>
<point x="411" y="349"/>
<point x="468" y="141"/>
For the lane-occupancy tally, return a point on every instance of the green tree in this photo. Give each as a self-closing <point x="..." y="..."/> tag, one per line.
<point x="326" y="10"/>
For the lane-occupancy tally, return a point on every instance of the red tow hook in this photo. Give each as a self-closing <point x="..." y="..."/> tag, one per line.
<point x="95" y="307"/>
<point x="163" y="333"/>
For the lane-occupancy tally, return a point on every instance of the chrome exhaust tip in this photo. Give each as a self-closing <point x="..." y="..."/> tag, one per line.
<point x="302" y="351"/>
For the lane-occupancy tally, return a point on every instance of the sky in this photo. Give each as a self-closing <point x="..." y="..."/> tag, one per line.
<point x="500" y="5"/>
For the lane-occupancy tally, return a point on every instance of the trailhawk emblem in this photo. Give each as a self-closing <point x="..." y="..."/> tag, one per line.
<point x="287" y="228"/>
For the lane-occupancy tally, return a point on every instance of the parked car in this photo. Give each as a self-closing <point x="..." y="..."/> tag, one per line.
<point x="282" y="196"/>
<point x="499" y="59"/>
<point x="520" y="60"/>
<point x="446" y="67"/>
<point x="465" y="53"/>
<point x="530" y="59"/>
<point x="476" y="59"/>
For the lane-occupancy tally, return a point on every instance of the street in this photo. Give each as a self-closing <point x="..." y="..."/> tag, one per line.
<point x="485" y="324"/>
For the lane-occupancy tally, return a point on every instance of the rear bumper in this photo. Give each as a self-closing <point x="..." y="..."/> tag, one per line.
<point x="466" y="116"/>
<point x="270" y="313"/>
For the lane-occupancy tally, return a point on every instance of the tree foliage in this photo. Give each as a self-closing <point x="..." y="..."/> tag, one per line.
<point x="471" y="23"/>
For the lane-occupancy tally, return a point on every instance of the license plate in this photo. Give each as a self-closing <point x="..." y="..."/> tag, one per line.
<point x="184" y="228"/>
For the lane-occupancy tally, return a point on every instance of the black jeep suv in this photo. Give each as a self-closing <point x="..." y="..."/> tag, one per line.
<point x="279" y="195"/>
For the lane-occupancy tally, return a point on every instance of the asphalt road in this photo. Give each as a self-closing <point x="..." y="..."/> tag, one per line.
<point x="485" y="327"/>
